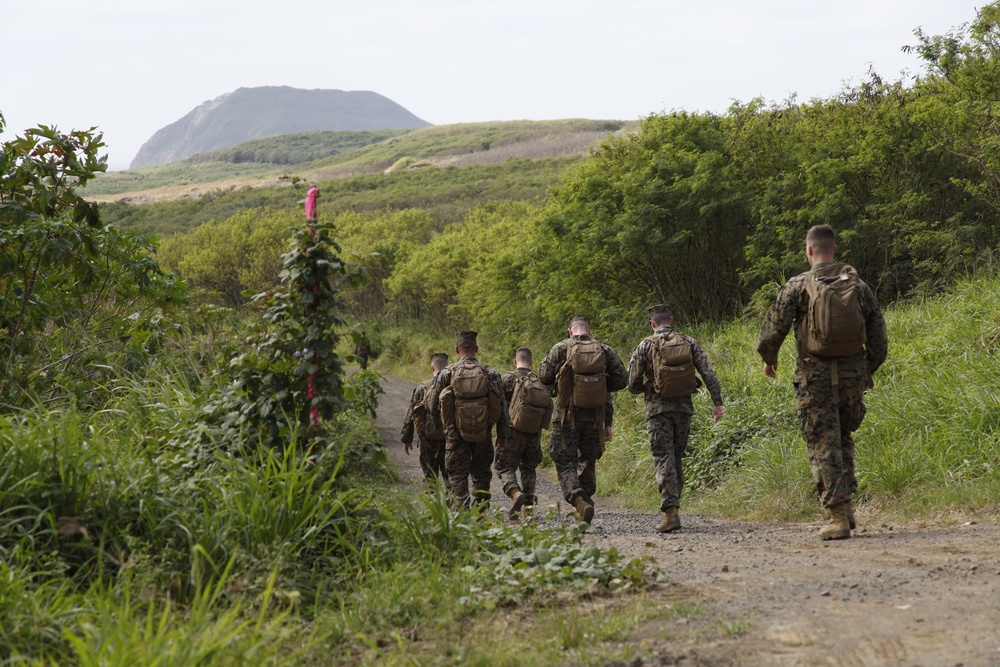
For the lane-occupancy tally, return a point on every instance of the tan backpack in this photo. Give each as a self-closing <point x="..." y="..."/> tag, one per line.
<point x="422" y="420"/>
<point x="472" y="403"/>
<point x="673" y="367"/>
<point x="530" y="406"/>
<point x="835" y="321"/>
<point x="583" y="378"/>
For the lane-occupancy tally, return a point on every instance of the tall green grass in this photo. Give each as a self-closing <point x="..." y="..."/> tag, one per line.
<point x="129" y="536"/>
<point x="930" y="441"/>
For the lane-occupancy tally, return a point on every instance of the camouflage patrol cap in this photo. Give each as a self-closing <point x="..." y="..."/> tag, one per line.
<point x="439" y="355"/>
<point x="577" y="318"/>
<point x="466" y="338"/>
<point x="658" y="309"/>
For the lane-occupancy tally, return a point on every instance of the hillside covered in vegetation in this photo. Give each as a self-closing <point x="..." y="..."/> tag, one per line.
<point x="191" y="474"/>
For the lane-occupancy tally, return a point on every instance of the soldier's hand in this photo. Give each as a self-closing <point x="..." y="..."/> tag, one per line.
<point x="867" y="383"/>
<point x="607" y="434"/>
<point x="717" y="412"/>
<point x="771" y="371"/>
<point x="501" y="442"/>
<point x="407" y="446"/>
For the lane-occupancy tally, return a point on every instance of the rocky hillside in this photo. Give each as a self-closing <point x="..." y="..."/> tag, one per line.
<point x="251" y="113"/>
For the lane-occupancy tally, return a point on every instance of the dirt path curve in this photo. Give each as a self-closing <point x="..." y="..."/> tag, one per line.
<point x="774" y="594"/>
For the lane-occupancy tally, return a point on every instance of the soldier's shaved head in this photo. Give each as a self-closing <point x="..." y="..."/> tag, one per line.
<point x="523" y="357"/>
<point x="822" y="239"/>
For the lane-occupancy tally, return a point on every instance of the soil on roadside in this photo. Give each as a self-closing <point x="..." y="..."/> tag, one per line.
<point x="920" y="594"/>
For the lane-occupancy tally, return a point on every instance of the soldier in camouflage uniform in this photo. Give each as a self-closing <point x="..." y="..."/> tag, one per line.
<point x="523" y="452"/>
<point x="465" y="459"/>
<point x="579" y="434"/>
<point x="829" y="391"/>
<point x="416" y="420"/>
<point x="668" y="420"/>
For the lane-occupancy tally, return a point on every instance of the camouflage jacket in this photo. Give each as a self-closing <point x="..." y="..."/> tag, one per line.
<point x="789" y="310"/>
<point x="640" y="377"/>
<point x="548" y="371"/>
<point x="410" y="426"/>
<point x="443" y="379"/>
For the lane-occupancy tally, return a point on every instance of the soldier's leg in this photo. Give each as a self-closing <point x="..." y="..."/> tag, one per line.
<point x="439" y="454"/>
<point x="458" y="463"/>
<point x="480" y="467"/>
<point x="661" y="445"/>
<point x="682" y="432"/>
<point x="590" y="448"/>
<point x="565" y="454"/>
<point x="531" y="458"/>
<point x="506" y="464"/>
<point x="428" y="452"/>
<point x="852" y="413"/>
<point x="819" y="423"/>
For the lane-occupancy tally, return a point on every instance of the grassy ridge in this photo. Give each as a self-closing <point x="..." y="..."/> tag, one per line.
<point x="321" y="156"/>
<point x="259" y="159"/>
<point x="446" y="194"/>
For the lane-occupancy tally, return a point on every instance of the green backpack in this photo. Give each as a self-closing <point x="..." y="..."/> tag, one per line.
<point x="423" y="422"/>
<point x="530" y="406"/>
<point x="835" y="321"/>
<point x="583" y="378"/>
<point x="472" y="403"/>
<point x="673" y="367"/>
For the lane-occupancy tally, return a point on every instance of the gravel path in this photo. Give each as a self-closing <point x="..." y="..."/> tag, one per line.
<point x="921" y="594"/>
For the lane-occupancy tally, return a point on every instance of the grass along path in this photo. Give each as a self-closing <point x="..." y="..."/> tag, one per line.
<point x="924" y="593"/>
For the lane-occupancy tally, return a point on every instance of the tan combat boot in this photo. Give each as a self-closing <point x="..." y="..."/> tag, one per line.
<point x="584" y="510"/>
<point x="850" y="514"/>
<point x="671" y="521"/>
<point x="519" y="500"/>
<point x="839" y="526"/>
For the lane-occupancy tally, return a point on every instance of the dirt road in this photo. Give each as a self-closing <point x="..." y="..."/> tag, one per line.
<point x="913" y="595"/>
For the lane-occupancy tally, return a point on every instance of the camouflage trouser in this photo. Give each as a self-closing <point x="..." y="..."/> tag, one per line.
<point x="826" y="425"/>
<point x="523" y="452"/>
<point x="668" y="437"/>
<point x="432" y="461"/>
<point x="573" y="445"/>
<point x="469" y="459"/>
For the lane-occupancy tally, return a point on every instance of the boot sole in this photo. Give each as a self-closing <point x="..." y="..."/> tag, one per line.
<point x="840" y="535"/>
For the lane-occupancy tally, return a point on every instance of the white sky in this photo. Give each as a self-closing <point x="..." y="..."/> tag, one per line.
<point x="130" y="67"/>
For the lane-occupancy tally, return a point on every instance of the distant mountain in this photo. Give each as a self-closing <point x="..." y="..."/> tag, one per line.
<point x="252" y="113"/>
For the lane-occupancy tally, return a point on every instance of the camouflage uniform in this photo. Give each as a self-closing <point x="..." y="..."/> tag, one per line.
<point x="577" y="433"/>
<point x="829" y="391"/>
<point x="522" y="452"/>
<point x="462" y="458"/>
<point x="431" y="450"/>
<point x="668" y="420"/>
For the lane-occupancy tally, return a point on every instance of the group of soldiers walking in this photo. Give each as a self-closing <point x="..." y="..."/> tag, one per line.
<point x="840" y="340"/>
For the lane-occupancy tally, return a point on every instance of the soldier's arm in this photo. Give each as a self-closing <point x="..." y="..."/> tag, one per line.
<point x="877" y="339"/>
<point x="406" y="434"/>
<point x="617" y="375"/>
<point x="637" y="368"/>
<point x="700" y="360"/>
<point x="503" y="426"/>
<point x="550" y="364"/>
<point x="778" y="322"/>
<point x="508" y="380"/>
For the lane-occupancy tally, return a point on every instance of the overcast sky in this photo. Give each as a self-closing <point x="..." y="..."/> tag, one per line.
<point x="130" y="67"/>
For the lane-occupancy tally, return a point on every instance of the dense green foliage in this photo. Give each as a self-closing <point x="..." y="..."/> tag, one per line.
<point x="79" y="299"/>
<point x="226" y="500"/>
